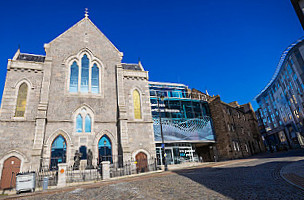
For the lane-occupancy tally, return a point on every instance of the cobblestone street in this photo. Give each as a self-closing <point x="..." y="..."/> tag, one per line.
<point x="257" y="178"/>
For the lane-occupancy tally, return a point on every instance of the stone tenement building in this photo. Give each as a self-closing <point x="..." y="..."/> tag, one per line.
<point x="235" y="127"/>
<point x="79" y="96"/>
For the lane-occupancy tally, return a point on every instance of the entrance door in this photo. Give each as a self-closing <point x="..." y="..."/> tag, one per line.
<point x="141" y="162"/>
<point x="11" y="167"/>
<point x="169" y="156"/>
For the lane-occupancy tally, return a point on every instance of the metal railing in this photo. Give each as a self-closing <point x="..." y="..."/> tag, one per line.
<point x="132" y="167"/>
<point x="83" y="175"/>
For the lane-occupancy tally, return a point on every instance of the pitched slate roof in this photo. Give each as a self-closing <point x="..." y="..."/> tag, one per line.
<point x="134" y="67"/>
<point x="31" y="57"/>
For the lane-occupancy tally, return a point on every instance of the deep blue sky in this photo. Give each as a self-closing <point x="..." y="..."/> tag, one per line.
<point x="230" y="48"/>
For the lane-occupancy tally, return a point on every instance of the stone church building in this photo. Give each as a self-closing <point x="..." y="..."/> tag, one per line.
<point x="79" y="96"/>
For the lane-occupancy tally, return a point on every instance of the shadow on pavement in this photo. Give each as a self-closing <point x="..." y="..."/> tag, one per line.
<point x="258" y="179"/>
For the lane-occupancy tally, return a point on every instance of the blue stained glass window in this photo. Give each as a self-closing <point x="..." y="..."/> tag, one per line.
<point x="88" y="124"/>
<point x="105" y="149"/>
<point x="74" y="77"/>
<point x="95" y="79"/>
<point x="104" y="142"/>
<point x="58" y="152"/>
<point x="84" y="86"/>
<point x="79" y="124"/>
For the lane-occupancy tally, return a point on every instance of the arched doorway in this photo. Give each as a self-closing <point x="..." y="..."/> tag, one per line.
<point x="83" y="151"/>
<point x="58" y="152"/>
<point x="141" y="162"/>
<point x="11" y="167"/>
<point x="104" y="149"/>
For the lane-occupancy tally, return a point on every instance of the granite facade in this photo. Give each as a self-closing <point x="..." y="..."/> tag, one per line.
<point x="51" y="109"/>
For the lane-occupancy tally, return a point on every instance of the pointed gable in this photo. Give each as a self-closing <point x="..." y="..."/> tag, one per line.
<point x="84" y="34"/>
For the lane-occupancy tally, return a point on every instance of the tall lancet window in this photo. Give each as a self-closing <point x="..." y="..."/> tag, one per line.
<point x="88" y="124"/>
<point x="79" y="124"/>
<point x="136" y="104"/>
<point x="74" y="77"/>
<point x="21" y="100"/>
<point x="95" y="79"/>
<point x="84" y="86"/>
<point x="85" y="74"/>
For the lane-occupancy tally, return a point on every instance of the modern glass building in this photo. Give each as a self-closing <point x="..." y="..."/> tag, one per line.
<point x="186" y="123"/>
<point x="281" y="102"/>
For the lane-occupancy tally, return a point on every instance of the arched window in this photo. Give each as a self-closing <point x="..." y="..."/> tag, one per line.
<point x="85" y="75"/>
<point x="85" y="63"/>
<point x="136" y="104"/>
<point x="74" y="77"/>
<point x="95" y="79"/>
<point x="21" y="100"/>
<point x="105" y="149"/>
<point x="88" y="124"/>
<point x="79" y="123"/>
<point x="84" y="120"/>
<point x="58" y="152"/>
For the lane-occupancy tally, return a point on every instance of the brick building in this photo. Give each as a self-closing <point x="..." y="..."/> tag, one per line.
<point x="235" y="128"/>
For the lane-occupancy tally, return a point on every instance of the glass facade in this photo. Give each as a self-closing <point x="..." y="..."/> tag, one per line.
<point x="281" y="102"/>
<point x="177" y="153"/>
<point x="185" y="121"/>
<point x="183" y="118"/>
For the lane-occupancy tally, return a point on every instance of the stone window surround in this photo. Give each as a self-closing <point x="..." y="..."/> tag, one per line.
<point x="16" y="87"/>
<point x="89" y="112"/>
<point x="141" y="106"/>
<point x="93" y="60"/>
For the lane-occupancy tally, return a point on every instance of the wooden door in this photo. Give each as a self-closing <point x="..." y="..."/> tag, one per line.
<point x="11" y="167"/>
<point x="141" y="162"/>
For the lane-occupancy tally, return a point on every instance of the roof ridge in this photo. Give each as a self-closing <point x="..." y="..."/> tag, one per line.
<point x="31" y="54"/>
<point x="279" y="66"/>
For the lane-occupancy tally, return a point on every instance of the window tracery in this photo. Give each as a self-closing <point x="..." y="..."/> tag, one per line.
<point x="83" y="121"/>
<point x="84" y="76"/>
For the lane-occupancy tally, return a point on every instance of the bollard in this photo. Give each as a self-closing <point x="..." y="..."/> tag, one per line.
<point x="45" y="183"/>
<point x="62" y="167"/>
<point x="105" y="170"/>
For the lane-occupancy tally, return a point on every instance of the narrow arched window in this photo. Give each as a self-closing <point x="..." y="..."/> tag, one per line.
<point x="136" y="104"/>
<point x="79" y="124"/>
<point x="88" y="124"/>
<point x="58" y="152"/>
<point x="74" y="77"/>
<point x="84" y="86"/>
<point x="95" y="79"/>
<point x="105" y="149"/>
<point x="21" y="100"/>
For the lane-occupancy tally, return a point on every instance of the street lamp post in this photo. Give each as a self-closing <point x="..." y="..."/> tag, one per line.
<point x="161" y="133"/>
